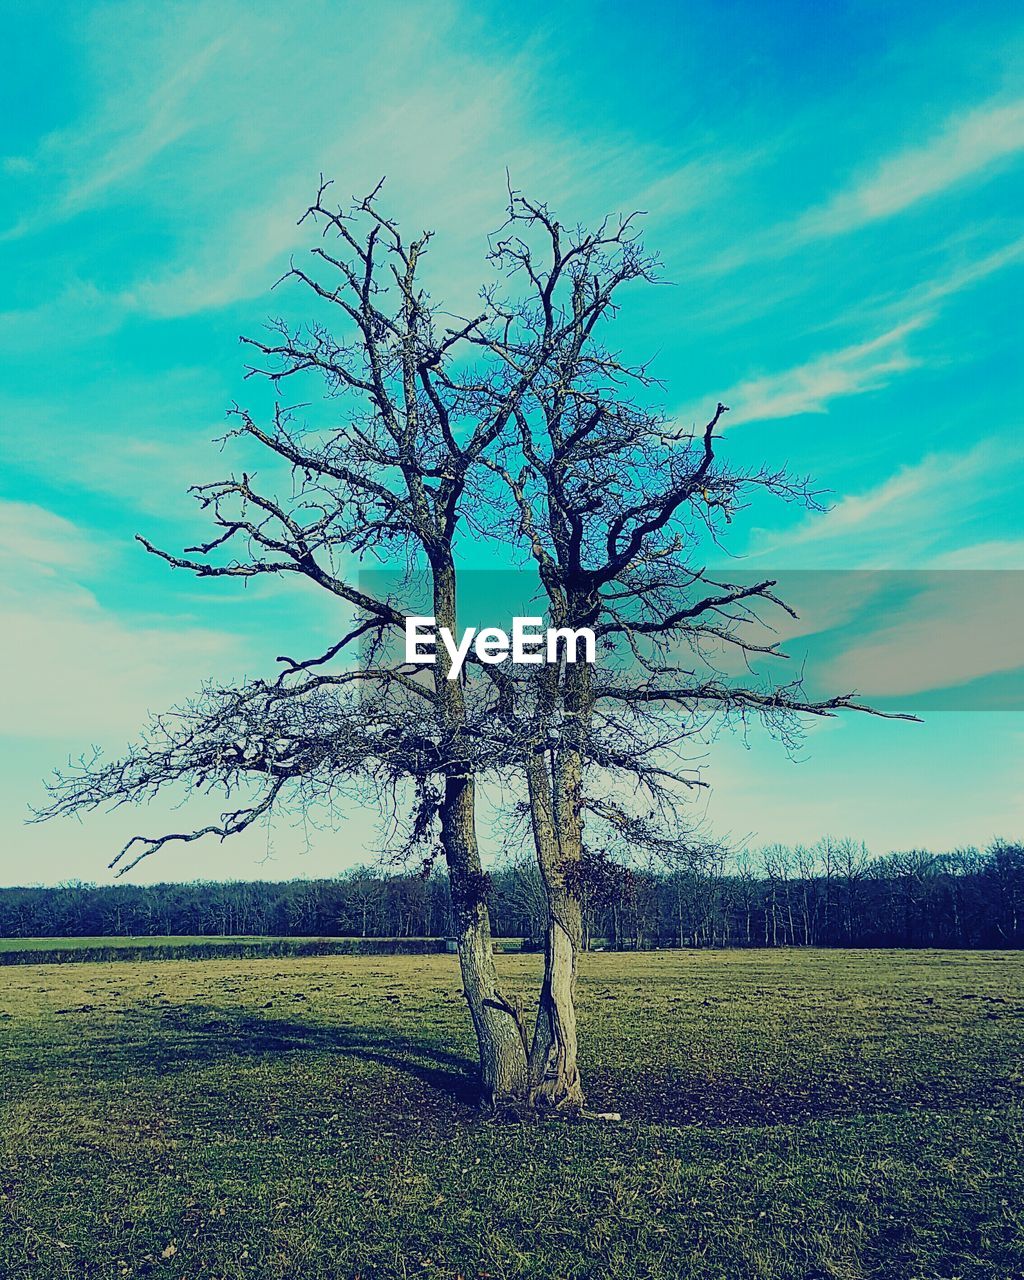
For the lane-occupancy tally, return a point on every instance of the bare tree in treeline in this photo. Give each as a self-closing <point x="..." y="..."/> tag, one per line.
<point x="830" y="894"/>
<point x="520" y="423"/>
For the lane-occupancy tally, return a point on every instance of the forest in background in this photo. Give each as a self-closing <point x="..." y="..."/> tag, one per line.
<point x="831" y="894"/>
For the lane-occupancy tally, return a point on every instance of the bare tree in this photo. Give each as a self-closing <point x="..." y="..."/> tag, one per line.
<point x="616" y="507"/>
<point x="522" y="408"/>
<point x="367" y="888"/>
<point x="746" y="886"/>
<point x="526" y="898"/>
<point x="389" y="484"/>
<point x="853" y="861"/>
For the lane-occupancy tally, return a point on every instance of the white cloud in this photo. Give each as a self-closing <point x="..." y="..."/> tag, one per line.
<point x="447" y="143"/>
<point x="75" y="670"/>
<point x="995" y="553"/>
<point x="894" y="524"/>
<point x="970" y="144"/>
<point x="18" y="165"/>
<point x="950" y="633"/>
<point x="970" y="274"/>
<point x="811" y="387"/>
<point x="118" y="144"/>
<point x="163" y="120"/>
<point x="36" y="541"/>
<point x="80" y="311"/>
<point x="875" y="506"/>
<point x="154" y="438"/>
<point x="862" y="366"/>
<point x="223" y="169"/>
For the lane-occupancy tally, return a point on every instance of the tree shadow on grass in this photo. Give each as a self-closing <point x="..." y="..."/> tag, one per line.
<point x="182" y="1038"/>
<point x="441" y="1086"/>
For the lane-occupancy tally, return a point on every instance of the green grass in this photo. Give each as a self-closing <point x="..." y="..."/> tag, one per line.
<point x="785" y="1114"/>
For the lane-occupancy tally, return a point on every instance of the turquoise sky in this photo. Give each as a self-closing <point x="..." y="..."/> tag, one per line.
<point x="836" y="191"/>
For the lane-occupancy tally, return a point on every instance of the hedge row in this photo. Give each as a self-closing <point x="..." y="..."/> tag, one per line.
<point x="213" y="949"/>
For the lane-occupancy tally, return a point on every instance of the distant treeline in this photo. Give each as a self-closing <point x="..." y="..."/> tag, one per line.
<point x="831" y="894"/>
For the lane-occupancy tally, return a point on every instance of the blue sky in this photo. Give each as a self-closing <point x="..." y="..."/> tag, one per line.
<point x="835" y="191"/>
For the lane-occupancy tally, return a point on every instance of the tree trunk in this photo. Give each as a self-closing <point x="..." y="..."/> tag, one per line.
<point x="554" y="1067"/>
<point x="499" y="1026"/>
<point x="500" y="1029"/>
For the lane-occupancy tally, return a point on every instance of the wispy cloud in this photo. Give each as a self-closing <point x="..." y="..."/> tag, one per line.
<point x="35" y="541"/>
<point x="868" y="365"/>
<point x="895" y="523"/>
<point x="82" y="670"/>
<point x="811" y="387"/>
<point x="963" y="277"/>
<point x="952" y="631"/>
<point x="442" y="142"/>
<point x="968" y="145"/>
<point x="116" y="146"/>
<point x="971" y="145"/>
<point x="994" y="553"/>
<point x="222" y="170"/>
<point x="80" y="311"/>
<point x="149" y="436"/>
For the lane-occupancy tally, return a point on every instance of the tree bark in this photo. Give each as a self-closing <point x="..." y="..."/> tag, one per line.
<point x="498" y="1023"/>
<point x="554" y="1060"/>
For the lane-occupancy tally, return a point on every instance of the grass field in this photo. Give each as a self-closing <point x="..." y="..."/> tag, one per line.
<point x="785" y="1114"/>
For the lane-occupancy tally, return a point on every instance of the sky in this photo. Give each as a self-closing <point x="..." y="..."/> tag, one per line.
<point x="835" y="191"/>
